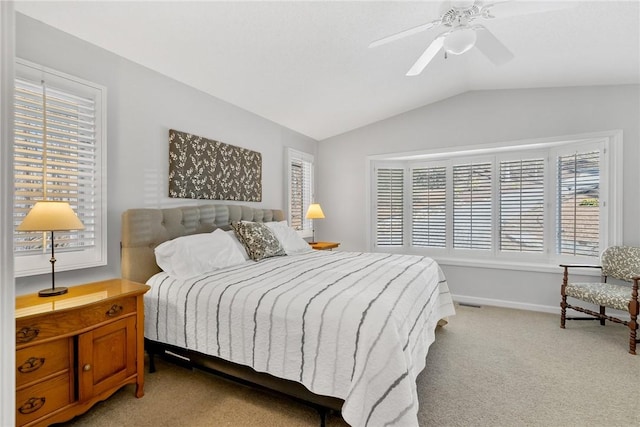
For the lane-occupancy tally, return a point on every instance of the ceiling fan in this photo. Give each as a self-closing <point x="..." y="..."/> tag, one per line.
<point x="462" y="33"/>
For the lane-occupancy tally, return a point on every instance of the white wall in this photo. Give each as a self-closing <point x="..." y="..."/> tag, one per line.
<point x="480" y="117"/>
<point x="142" y="106"/>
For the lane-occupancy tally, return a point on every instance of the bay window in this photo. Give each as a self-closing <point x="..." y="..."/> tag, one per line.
<point x="533" y="202"/>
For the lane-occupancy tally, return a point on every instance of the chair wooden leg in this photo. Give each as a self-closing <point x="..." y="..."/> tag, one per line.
<point x="602" y="313"/>
<point x="634" y="309"/>
<point x="563" y="303"/>
<point x="633" y="325"/>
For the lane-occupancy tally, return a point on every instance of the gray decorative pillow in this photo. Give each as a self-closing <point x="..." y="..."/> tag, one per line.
<point x="258" y="239"/>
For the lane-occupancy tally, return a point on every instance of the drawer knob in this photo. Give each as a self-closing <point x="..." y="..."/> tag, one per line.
<point x="86" y="367"/>
<point x="26" y="334"/>
<point x="32" y="405"/>
<point x="114" y="310"/>
<point x="31" y="364"/>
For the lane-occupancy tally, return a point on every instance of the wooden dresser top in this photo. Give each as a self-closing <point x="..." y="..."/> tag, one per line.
<point x="78" y="296"/>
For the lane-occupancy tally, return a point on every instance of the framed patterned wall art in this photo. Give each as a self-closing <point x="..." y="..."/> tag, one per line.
<point x="202" y="168"/>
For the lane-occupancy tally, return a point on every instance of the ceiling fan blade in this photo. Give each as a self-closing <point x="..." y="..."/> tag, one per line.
<point x="405" y="33"/>
<point x="427" y="56"/>
<point x="492" y="48"/>
<point x="507" y="8"/>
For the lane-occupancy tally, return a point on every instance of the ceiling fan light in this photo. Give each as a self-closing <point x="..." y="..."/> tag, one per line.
<point x="460" y="41"/>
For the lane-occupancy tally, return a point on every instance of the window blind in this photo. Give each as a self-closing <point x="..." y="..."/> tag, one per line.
<point x="300" y="189"/>
<point x="428" y="209"/>
<point x="389" y="207"/>
<point x="472" y="222"/>
<point x="522" y="205"/>
<point x="54" y="159"/>
<point x="579" y="204"/>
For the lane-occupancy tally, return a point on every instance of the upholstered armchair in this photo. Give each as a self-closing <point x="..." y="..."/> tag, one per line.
<point x="619" y="262"/>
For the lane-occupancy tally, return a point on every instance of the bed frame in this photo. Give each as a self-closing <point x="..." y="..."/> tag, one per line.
<point x="144" y="229"/>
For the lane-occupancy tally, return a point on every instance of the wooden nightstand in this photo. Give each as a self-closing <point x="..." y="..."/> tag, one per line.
<point x="76" y="349"/>
<point x="323" y="246"/>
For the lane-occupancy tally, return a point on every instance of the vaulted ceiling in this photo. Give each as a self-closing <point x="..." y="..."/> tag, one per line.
<point x="306" y="64"/>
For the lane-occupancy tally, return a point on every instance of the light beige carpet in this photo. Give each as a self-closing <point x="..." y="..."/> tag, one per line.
<point x="488" y="367"/>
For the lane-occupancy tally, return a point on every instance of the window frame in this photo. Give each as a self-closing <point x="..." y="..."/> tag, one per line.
<point x="611" y="181"/>
<point x="76" y="258"/>
<point x="291" y="155"/>
<point x="608" y="213"/>
<point x="474" y="161"/>
<point x="447" y="231"/>
<point x="525" y="156"/>
<point x="406" y="215"/>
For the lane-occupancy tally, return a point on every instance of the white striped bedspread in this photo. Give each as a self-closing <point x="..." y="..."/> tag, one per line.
<point x="352" y="325"/>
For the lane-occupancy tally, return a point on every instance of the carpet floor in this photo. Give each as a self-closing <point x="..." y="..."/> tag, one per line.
<point x="488" y="367"/>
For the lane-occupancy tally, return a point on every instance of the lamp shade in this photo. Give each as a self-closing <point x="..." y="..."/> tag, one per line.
<point x="314" y="212"/>
<point x="459" y="41"/>
<point x="51" y="216"/>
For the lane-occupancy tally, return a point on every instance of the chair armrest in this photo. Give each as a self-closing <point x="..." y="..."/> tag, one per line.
<point x="565" y="274"/>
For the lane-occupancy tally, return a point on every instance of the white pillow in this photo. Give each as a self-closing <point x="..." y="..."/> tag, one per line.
<point x="193" y="255"/>
<point x="239" y="245"/>
<point x="289" y="238"/>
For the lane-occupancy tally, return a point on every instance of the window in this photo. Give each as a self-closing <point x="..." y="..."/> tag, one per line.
<point x="390" y="207"/>
<point x="300" y="190"/>
<point x="539" y="202"/>
<point x="578" y="203"/>
<point x="472" y="207"/>
<point x="59" y="154"/>
<point x="522" y="205"/>
<point x="428" y="207"/>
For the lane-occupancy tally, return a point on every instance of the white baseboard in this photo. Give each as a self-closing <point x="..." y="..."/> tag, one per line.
<point x="506" y="304"/>
<point x="525" y="306"/>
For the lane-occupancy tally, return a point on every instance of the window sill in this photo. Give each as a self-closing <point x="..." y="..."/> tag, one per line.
<point x="513" y="265"/>
<point x="541" y="266"/>
<point x="35" y="264"/>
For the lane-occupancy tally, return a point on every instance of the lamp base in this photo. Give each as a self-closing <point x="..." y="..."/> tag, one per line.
<point x="52" y="292"/>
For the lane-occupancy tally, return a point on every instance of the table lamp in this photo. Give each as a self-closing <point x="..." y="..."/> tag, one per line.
<point x="314" y="212"/>
<point x="51" y="216"/>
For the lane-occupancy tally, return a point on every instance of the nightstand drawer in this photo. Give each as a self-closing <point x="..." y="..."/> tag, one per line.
<point x="99" y="313"/>
<point x="37" y="328"/>
<point x="38" y="361"/>
<point x="42" y="398"/>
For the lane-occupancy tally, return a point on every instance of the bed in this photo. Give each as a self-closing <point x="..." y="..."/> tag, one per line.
<point x="347" y="331"/>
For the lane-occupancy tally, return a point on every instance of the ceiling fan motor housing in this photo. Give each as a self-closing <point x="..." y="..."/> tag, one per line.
<point x="457" y="16"/>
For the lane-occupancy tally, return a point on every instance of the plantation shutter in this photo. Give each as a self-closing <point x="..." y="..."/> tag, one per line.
<point x="428" y="210"/>
<point x="522" y="205"/>
<point x="472" y="206"/>
<point x="55" y="159"/>
<point x="301" y="189"/>
<point x="579" y="204"/>
<point x="389" y="207"/>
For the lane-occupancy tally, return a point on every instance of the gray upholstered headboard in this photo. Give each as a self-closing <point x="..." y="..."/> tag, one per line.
<point x="144" y="229"/>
